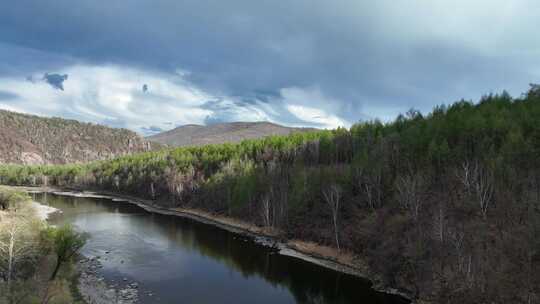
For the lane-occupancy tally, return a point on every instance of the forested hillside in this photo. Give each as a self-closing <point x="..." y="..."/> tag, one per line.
<point x="29" y="139"/>
<point x="446" y="205"/>
<point x="234" y="132"/>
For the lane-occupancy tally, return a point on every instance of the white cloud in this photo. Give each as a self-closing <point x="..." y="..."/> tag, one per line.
<point x="311" y="105"/>
<point x="113" y="95"/>
<point x="317" y="116"/>
<point x="344" y="58"/>
<point x="12" y="108"/>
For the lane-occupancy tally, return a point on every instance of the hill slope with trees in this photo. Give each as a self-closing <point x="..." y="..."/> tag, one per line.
<point x="444" y="205"/>
<point x="30" y="139"/>
<point x="234" y="132"/>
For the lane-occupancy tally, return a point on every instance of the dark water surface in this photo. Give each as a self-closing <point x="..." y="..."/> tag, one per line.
<point x="182" y="261"/>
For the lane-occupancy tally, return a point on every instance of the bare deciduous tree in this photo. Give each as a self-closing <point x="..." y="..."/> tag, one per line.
<point x="152" y="190"/>
<point x="479" y="182"/>
<point x="410" y="196"/>
<point x="116" y="181"/>
<point x="266" y="211"/>
<point x="464" y="174"/>
<point x="457" y="239"/>
<point x="484" y="190"/>
<point x="175" y="182"/>
<point x="370" y="185"/>
<point x="16" y="244"/>
<point x="440" y="223"/>
<point x="332" y="195"/>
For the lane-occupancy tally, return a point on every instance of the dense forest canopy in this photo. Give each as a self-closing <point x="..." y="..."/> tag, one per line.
<point x="445" y="205"/>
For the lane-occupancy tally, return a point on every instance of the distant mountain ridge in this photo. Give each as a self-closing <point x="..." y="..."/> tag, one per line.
<point x="30" y="139"/>
<point x="198" y="135"/>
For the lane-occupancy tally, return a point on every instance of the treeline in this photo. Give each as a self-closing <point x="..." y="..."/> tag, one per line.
<point x="446" y="205"/>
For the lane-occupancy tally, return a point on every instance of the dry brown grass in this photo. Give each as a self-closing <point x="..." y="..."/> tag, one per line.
<point x="326" y="252"/>
<point x="228" y="221"/>
<point x="3" y="214"/>
<point x="309" y="248"/>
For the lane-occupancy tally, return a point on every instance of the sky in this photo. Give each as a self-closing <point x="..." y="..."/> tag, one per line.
<point x="152" y="65"/>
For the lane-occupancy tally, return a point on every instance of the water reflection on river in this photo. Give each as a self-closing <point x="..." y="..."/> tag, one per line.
<point x="182" y="261"/>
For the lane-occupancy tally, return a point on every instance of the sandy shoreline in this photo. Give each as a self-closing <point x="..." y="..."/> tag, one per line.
<point x="290" y="248"/>
<point x="43" y="211"/>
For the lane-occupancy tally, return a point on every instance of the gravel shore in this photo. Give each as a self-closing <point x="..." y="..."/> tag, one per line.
<point x="95" y="290"/>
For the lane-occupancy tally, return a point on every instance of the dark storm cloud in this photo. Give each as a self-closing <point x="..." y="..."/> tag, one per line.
<point x="7" y="96"/>
<point x="56" y="80"/>
<point x="18" y="60"/>
<point x="361" y="54"/>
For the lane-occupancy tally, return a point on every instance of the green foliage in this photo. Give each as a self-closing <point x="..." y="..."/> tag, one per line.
<point x="26" y="246"/>
<point x="10" y="199"/>
<point x="64" y="242"/>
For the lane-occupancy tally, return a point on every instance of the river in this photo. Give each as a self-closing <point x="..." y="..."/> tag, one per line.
<point x="177" y="260"/>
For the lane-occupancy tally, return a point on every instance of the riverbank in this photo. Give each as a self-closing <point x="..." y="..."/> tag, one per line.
<point x="95" y="290"/>
<point x="327" y="257"/>
<point x="42" y="211"/>
<point x="29" y="269"/>
<point x="90" y="286"/>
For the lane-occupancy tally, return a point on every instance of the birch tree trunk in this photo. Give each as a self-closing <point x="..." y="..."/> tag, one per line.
<point x="16" y="244"/>
<point x="332" y="196"/>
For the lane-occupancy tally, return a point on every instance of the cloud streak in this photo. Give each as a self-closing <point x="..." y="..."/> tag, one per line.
<point x="112" y="95"/>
